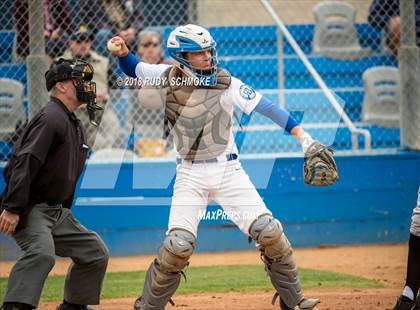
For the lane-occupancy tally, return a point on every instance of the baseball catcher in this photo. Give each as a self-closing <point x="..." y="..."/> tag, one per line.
<point x="199" y="99"/>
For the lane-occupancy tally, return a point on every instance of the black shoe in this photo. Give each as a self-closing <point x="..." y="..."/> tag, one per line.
<point x="9" y="307"/>
<point x="73" y="307"/>
<point x="15" y="306"/>
<point x="404" y="303"/>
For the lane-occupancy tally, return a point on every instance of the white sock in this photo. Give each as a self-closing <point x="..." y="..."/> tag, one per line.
<point x="408" y="292"/>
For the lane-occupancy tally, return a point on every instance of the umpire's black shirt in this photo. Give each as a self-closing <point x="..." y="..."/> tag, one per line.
<point x="47" y="160"/>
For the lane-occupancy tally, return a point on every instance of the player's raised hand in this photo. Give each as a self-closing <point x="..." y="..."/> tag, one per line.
<point x="117" y="46"/>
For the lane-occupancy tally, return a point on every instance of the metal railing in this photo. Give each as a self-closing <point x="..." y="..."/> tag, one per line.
<point x="346" y="119"/>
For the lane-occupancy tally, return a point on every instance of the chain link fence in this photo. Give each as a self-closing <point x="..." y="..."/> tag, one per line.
<point x="351" y="45"/>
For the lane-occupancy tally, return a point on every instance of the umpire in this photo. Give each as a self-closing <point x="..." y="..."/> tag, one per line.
<point x="41" y="177"/>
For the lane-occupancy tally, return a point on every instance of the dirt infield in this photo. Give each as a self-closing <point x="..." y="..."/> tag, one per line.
<point x="340" y="299"/>
<point x="384" y="263"/>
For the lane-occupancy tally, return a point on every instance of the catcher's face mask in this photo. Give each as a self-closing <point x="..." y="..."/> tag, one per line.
<point x="85" y="88"/>
<point x="81" y="73"/>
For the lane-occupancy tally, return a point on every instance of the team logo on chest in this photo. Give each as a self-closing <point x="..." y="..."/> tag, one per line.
<point x="247" y="92"/>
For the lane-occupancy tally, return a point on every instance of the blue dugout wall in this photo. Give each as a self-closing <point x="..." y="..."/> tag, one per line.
<point x="129" y="206"/>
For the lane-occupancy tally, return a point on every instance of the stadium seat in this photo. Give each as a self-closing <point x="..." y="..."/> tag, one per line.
<point x="15" y="72"/>
<point x="262" y="40"/>
<point x="335" y="32"/>
<point x="261" y="72"/>
<point x="250" y="53"/>
<point x="12" y="112"/>
<point x="382" y="96"/>
<point x="241" y="41"/>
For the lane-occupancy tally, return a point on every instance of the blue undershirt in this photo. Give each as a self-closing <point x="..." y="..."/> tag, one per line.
<point x="128" y="64"/>
<point x="271" y="110"/>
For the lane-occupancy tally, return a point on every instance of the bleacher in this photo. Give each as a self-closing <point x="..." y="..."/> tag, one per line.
<point x="250" y="53"/>
<point x="343" y="77"/>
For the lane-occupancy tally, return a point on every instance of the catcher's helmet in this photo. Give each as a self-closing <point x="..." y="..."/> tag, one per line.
<point x="193" y="38"/>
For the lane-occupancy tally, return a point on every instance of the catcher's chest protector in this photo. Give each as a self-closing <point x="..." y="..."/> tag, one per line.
<point x="199" y="124"/>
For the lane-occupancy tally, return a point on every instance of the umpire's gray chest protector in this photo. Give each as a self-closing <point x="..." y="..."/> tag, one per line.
<point x="199" y="124"/>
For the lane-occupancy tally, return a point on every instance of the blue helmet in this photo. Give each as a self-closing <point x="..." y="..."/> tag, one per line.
<point x="193" y="38"/>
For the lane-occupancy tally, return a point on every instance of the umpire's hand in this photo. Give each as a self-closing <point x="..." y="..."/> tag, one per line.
<point x="8" y="222"/>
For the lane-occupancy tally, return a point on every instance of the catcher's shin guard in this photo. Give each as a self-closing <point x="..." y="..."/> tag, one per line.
<point x="417" y="304"/>
<point x="164" y="274"/>
<point x="279" y="262"/>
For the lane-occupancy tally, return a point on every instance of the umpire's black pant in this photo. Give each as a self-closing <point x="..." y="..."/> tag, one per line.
<point x="49" y="231"/>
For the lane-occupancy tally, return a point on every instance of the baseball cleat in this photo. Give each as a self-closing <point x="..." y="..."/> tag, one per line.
<point x="404" y="303"/>
<point x="137" y="303"/>
<point x="309" y="304"/>
<point x="305" y="304"/>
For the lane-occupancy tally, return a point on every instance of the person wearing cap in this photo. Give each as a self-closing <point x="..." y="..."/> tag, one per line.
<point x="385" y="16"/>
<point x="57" y="27"/>
<point x="80" y="47"/>
<point x="40" y="178"/>
<point x="149" y="48"/>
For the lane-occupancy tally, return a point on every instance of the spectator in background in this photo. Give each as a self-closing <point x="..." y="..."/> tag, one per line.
<point x="106" y="18"/>
<point x="385" y="14"/>
<point x="80" y="46"/>
<point x="146" y="112"/>
<point x="57" y="27"/>
<point x="149" y="48"/>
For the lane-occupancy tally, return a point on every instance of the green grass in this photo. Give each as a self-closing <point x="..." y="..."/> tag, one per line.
<point x="207" y="279"/>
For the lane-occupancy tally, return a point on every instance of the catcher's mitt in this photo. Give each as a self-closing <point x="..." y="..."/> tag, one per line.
<point x="319" y="166"/>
